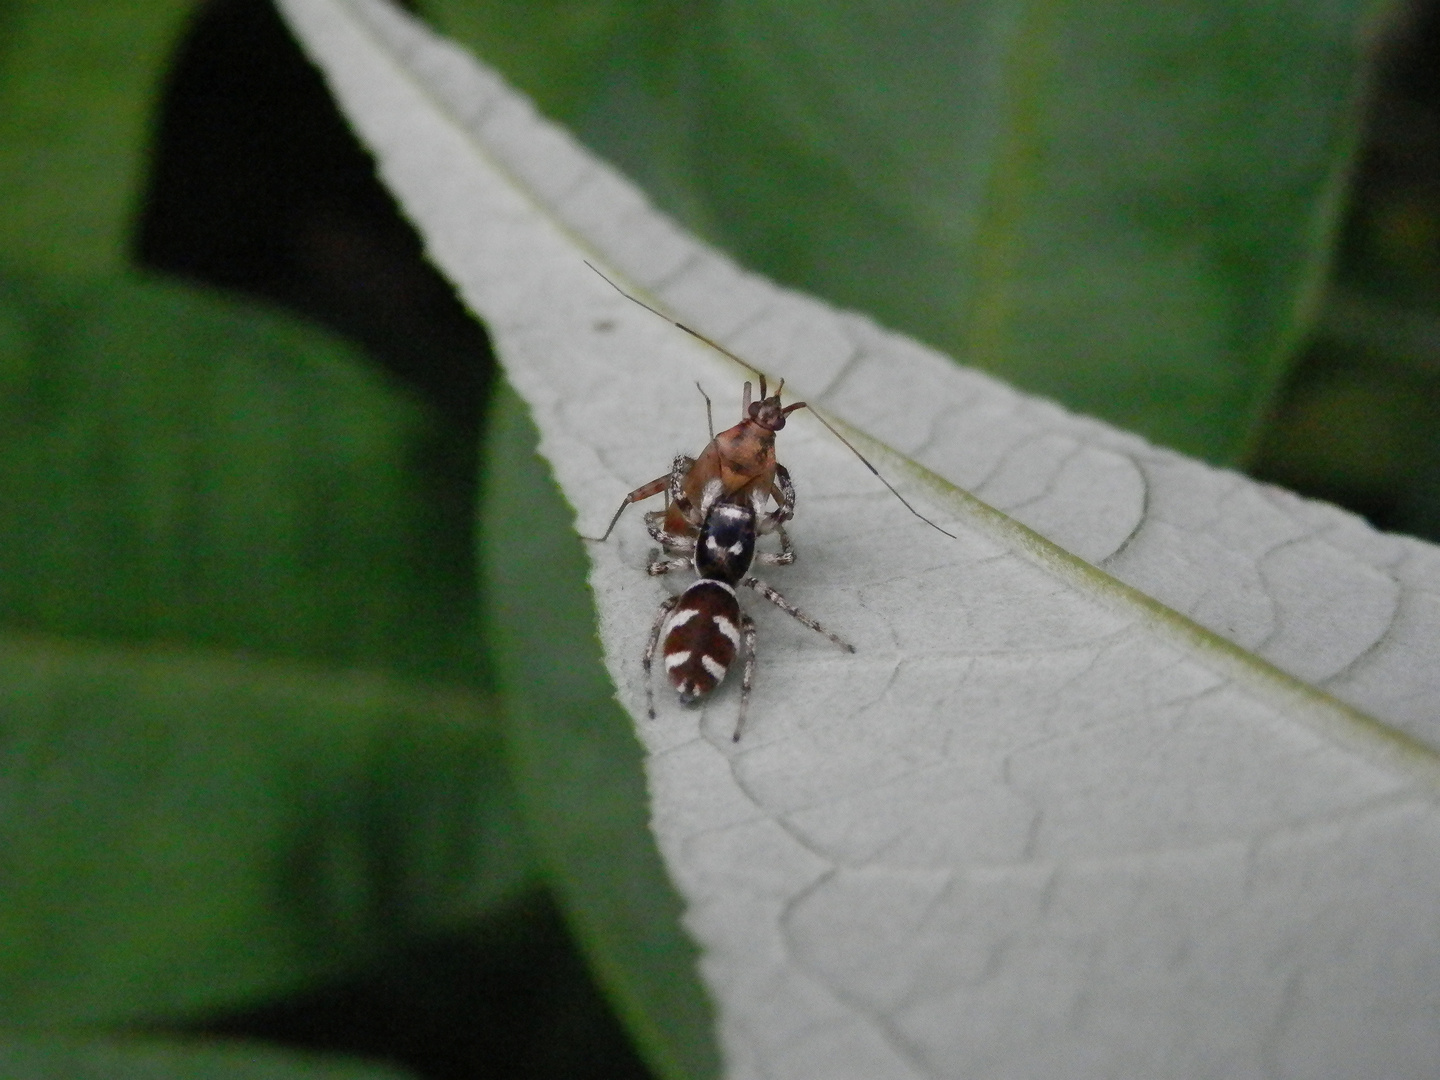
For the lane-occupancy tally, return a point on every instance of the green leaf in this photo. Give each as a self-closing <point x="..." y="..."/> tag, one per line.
<point x="79" y="88"/>
<point x="575" y="757"/>
<point x="184" y="479"/>
<point x="151" y="1059"/>
<point x="181" y="467"/>
<point x="183" y="831"/>
<point x="1128" y="208"/>
<point x="558" y="49"/>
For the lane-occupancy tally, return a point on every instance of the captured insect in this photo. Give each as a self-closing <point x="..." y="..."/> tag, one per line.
<point x="716" y="510"/>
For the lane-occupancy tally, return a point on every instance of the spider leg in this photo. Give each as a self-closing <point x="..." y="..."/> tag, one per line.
<point x="783" y="491"/>
<point x="795" y="613"/>
<point x="675" y="490"/>
<point x="675" y="543"/>
<point x="665" y="608"/>
<point x="747" y="678"/>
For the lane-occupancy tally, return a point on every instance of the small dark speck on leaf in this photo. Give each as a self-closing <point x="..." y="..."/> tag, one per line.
<point x="604" y="326"/>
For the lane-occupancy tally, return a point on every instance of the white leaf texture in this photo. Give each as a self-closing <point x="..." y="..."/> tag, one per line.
<point x="1148" y="791"/>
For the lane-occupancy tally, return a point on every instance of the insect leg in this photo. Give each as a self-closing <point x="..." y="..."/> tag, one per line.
<point x="747" y="678"/>
<point x="656" y="567"/>
<point x="666" y="607"/>
<point x="795" y="613"/>
<point x="640" y="494"/>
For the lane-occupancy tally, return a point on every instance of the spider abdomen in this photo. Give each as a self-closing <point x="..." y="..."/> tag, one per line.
<point x="701" y="638"/>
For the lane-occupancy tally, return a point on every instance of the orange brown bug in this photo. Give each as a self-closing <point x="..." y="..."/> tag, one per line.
<point x="742" y="458"/>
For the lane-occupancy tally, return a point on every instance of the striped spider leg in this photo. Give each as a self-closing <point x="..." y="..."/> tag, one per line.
<point x="700" y="632"/>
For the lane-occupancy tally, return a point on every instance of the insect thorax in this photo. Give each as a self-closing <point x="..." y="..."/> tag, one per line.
<point x="743" y="453"/>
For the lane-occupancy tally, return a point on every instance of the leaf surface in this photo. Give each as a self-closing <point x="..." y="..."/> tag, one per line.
<point x="79" y="86"/>
<point x="184" y="467"/>
<point x="184" y="830"/>
<point x="1136" y="776"/>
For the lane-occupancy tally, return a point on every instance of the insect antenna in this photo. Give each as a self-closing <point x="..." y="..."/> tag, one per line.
<point x="790" y="408"/>
<point x="676" y="323"/>
<point x="876" y="472"/>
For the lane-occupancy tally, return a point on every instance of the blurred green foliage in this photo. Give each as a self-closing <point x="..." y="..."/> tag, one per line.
<point x="79" y="86"/>
<point x="1359" y="421"/>
<point x="187" y="477"/>
<point x="195" y="468"/>
<point x="250" y="741"/>
<point x="185" y="831"/>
